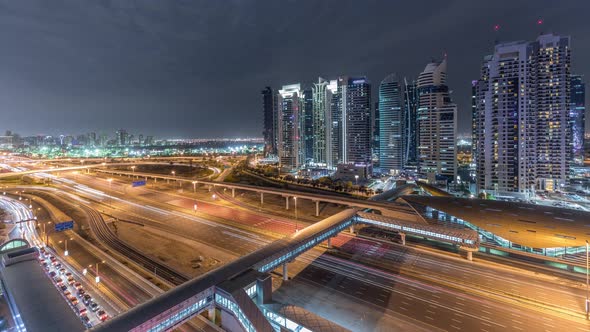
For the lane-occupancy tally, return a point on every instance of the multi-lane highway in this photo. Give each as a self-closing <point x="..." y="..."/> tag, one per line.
<point x="415" y="278"/>
<point x="405" y="288"/>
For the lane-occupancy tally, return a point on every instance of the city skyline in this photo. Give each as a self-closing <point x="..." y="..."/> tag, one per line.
<point x="174" y="79"/>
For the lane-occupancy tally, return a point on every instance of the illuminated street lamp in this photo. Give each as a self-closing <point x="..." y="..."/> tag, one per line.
<point x="356" y="179"/>
<point x="195" y="207"/>
<point x="97" y="278"/>
<point x="214" y="196"/>
<point x="110" y="181"/>
<point x="133" y="169"/>
<point x="66" y="252"/>
<point x="195" y="187"/>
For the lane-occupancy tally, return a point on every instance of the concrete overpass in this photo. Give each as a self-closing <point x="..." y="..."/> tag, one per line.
<point x="386" y="208"/>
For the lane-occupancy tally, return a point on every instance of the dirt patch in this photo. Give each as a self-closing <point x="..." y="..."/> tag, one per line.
<point x="187" y="256"/>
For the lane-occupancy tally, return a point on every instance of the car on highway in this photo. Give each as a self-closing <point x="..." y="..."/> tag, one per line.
<point x="67" y="293"/>
<point x="58" y="281"/>
<point x="46" y="266"/>
<point x="86" y="299"/>
<point x="83" y="312"/>
<point x="81" y="293"/>
<point x="62" y="270"/>
<point x="77" y="285"/>
<point x="52" y="274"/>
<point x="94" y="306"/>
<point x="63" y="288"/>
<point x="102" y="315"/>
<point x="73" y="300"/>
<point x="71" y="280"/>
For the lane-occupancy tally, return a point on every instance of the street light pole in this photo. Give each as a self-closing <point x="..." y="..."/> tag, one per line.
<point x="296" y="225"/>
<point x="587" y="266"/>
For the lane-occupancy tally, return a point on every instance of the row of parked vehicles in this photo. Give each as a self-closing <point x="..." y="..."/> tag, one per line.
<point x="72" y="289"/>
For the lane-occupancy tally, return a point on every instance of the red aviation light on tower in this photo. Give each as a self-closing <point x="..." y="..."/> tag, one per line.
<point x="539" y="21"/>
<point x="497" y="27"/>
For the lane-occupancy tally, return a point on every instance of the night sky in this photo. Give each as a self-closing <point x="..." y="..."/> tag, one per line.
<point x="191" y="68"/>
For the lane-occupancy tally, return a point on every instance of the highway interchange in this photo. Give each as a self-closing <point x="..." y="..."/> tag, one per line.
<point x="362" y="284"/>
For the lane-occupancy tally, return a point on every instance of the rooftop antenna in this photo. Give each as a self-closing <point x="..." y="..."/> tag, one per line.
<point x="496" y="30"/>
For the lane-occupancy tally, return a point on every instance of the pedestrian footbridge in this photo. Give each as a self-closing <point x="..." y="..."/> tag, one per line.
<point x="238" y="289"/>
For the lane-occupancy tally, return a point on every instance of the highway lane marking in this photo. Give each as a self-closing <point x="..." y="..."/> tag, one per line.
<point x="548" y="325"/>
<point x="430" y="311"/>
<point x="456" y="327"/>
<point x="516" y="327"/>
<point x="428" y="317"/>
<point x="460" y="303"/>
<point x="403" y="308"/>
<point x="516" y="321"/>
<point x="456" y="320"/>
<point x="486" y="324"/>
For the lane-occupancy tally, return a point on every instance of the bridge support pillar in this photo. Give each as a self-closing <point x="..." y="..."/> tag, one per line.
<point x="286" y="202"/>
<point x="469" y="252"/>
<point x="233" y="192"/>
<point x="261" y="199"/>
<point x="285" y="272"/>
<point x="403" y="236"/>
<point x="212" y="313"/>
<point x="329" y="243"/>
<point x="317" y="208"/>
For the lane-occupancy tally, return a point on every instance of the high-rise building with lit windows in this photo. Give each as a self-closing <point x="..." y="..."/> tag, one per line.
<point x="269" y="117"/>
<point x="307" y="126"/>
<point x="578" y="117"/>
<point x="436" y="125"/>
<point x="289" y="107"/>
<point x="410" y="123"/>
<point x="355" y="106"/>
<point x="522" y="117"/>
<point x="391" y="129"/>
<point x="322" y="99"/>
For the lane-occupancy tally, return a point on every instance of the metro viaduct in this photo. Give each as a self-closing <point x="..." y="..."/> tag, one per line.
<point x="241" y="288"/>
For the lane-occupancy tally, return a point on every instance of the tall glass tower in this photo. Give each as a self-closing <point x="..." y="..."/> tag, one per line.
<point x="356" y="120"/>
<point x="578" y="117"/>
<point x="410" y="123"/>
<point x="391" y="152"/>
<point x="437" y="124"/>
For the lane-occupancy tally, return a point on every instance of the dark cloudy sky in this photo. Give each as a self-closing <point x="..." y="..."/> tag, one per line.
<point x="195" y="68"/>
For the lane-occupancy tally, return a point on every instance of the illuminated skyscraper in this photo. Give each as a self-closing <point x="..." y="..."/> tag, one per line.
<point x="522" y="117"/>
<point x="269" y="113"/>
<point x="307" y="126"/>
<point x="410" y="123"/>
<point x="391" y="156"/>
<point x="322" y="98"/>
<point x="355" y="106"/>
<point x="289" y="126"/>
<point x="437" y="125"/>
<point x="578" y="117"/>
